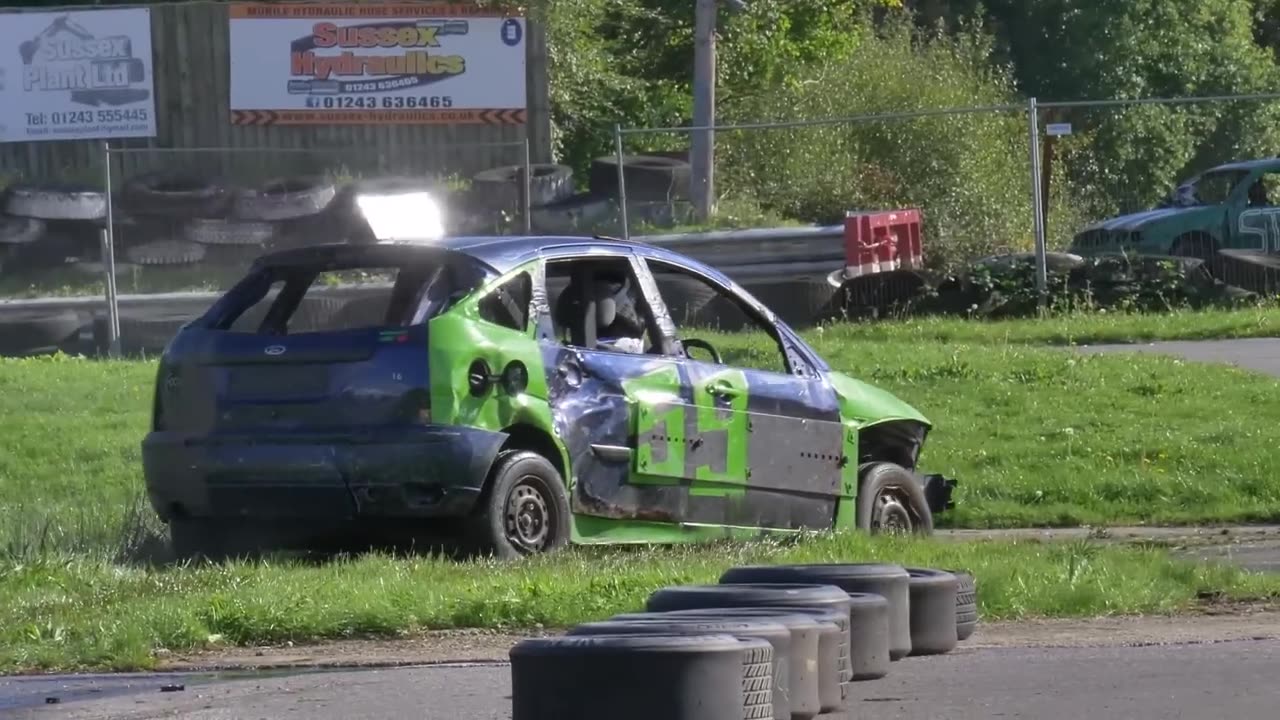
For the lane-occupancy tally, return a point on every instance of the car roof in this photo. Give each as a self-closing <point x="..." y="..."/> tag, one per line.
<point x="1248" y="165"/>
<point x="503" y="253"/>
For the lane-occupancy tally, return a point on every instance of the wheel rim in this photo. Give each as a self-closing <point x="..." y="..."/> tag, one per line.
<point x="529" y="519"/>
<point x="891" y="515"/>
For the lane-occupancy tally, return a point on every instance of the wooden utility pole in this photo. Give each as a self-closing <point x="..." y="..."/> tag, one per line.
<point x="702" y="144"/>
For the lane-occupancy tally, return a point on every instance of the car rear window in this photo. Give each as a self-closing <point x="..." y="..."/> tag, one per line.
<point x="334" y="296"/>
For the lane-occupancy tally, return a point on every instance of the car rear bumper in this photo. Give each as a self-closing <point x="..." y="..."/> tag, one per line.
<point x="405" y="473"/>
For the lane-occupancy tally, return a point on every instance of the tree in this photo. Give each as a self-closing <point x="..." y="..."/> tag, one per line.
<point x="1093" y="49"/>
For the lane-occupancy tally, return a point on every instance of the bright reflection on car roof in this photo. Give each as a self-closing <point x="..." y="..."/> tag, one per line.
<point x="402" y="217"/>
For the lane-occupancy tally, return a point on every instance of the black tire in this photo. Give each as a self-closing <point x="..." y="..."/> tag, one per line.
<point x="578" y="214"/>
<point x="175" y="195"/>
<point x="787" y="701"/>
<point x="966" y="604"/>
<point x="891" y="500"/>
<point x="56" y="202"/>
<point x="832" y="633"/>
<point x="524" y="509"/>
<point x="933" y="611"/>
<point x="635" y="677"/>
<point x="774" y="595"/>
<point x="649" y="177"/>
<point x="796" y="302"/>
<point x="499" y="189"/>
<point x="687" y="300"/>
<point x="166" y="252"/>
<point x="284" y="199"/>
<point x="26" y="332"/>
<point x="876" y="627"/>
<point x="20" y="230"/>
<point x="216" y="231"/>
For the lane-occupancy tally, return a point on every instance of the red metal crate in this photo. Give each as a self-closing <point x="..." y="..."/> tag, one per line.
<point x="882" y="242"/>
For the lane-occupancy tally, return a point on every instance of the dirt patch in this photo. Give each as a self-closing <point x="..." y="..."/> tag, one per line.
<point x="1212" y="625"/>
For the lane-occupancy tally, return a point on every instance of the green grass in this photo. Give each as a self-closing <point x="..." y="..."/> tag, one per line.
<point x="1080" y="328"/>
<point x="1036" y="436"/>
<point x="76" y="613"/>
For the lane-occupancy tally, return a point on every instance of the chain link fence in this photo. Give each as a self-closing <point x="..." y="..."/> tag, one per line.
<point x="187" y="223"/>
<point x="1088" y="177"/>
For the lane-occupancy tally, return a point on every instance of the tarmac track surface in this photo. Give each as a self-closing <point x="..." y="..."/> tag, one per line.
<point x="1156" y="682"/>
<point x="1257" y="354"/>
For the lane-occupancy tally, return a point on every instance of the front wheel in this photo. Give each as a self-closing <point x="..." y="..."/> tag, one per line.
<point x="526" y="510"/>
<point x="891" y="501"/>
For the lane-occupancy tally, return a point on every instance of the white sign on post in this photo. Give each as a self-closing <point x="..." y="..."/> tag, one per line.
<point x="375" y="64"/>
<point x="76" y="75"/>
<point x="1057" y="129"/>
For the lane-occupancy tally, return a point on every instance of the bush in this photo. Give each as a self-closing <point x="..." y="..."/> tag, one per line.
<point x="969" y="173"/>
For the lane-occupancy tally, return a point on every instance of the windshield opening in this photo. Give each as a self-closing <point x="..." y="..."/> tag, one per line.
<point x="1211" y="188"/>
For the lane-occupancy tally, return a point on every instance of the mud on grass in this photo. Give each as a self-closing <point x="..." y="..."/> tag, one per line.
<point x="74" y="612"/>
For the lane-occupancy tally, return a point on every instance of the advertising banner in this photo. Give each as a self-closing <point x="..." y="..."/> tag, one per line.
<point x="76" y="75"/>
<point x="331" y="64"/>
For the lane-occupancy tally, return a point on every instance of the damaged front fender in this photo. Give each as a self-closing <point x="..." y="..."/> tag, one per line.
<point x="863" y="404"/>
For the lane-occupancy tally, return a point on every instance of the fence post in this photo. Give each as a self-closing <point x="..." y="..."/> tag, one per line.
<point x="1042" y="272"/>
<point x="107" y="242"/>
<point x="526" y="191"/>
<point x="622" y="182"/>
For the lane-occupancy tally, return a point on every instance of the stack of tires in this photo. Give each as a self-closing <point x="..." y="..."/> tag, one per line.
<point x="41" y="228"/>
<point x="657" y="191"/>
<point x="767" y="642"/>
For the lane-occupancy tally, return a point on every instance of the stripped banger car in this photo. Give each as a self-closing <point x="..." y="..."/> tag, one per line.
<point x="523" y="393"/>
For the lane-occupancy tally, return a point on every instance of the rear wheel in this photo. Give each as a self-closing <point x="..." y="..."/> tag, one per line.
<point x="525" y="510"/>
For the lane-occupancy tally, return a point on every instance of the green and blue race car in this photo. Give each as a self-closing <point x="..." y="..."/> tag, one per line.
<point x="521" y="393"/>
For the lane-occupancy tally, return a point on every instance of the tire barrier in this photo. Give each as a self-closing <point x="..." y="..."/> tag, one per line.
<point x="787" y="701"/>
<point x="166" y="252"/>
<point x="55" y="202"/>
<point x="648" y="178"/>
<point x="499" y="188"/>
<point x="829" y="631"/>
<point x="638" y="677"/>
<point x="175" y="195"/>
<point x="678" y="656"/>
<point x="283" y="199"/>
<point x="889" y="581"/>
<point x="966" y="604"/>
<point x="933" y="611"/>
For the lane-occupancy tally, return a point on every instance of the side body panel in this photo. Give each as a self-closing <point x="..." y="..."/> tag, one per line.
<point x="659" y="439"/>
<point x="459" y="338"/>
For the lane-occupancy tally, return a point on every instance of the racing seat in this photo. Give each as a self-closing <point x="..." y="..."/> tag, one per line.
<point x="603" y="317"/>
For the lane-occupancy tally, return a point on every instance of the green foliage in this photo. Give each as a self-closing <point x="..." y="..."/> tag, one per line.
<point x="969" y="173"/>
<point x="1126" y="158"/>
<point x="629" y="61"/>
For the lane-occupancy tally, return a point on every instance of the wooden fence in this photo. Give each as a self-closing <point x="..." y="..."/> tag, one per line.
<point x="192" y="90"/>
